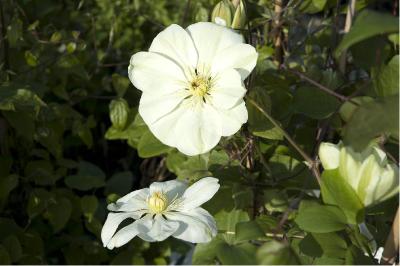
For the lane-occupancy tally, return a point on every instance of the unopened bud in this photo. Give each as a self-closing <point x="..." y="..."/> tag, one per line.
<point x="239" y="18"/>
<point x="222" y="13"/>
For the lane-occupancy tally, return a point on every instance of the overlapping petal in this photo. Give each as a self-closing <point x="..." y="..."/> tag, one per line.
<point x="159" y="230"/>
<point x="232" y="119"/>
<point x="175" y="43"/>
<point x="196" y="226"/>
<point x="200" y="192"/>
<point x="172" y="188"/>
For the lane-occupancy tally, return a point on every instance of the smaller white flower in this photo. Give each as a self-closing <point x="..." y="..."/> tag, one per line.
<point x="369" y="173"/>
<point x="164" y="209"/>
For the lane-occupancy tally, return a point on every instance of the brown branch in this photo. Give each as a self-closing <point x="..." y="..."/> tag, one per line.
<point x="311" y="163"/>
<point x="391" y="251"/>
<point x="277" y="30"/>
<point x="320" y="86"/>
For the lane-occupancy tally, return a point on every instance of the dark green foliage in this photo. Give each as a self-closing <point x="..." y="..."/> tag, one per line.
<point x="72" y="141"/>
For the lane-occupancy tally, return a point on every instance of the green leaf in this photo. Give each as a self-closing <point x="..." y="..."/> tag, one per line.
<point x="31" y="59"/>
<point x="348" y="108"/>
<point x="119" y="111"/>
<point x="337" y="191"/>
<point x="4" y="256"/>
<point x="89" y="206"/>
<point x="259" y="125"/>
<point x="314" y="103"/>
<point x="7" y="184"/>
<point x="312" y="6"/>
<point x="89" y="176"/>
<point x="120" y="84"/>
<point x="317" y="218"/>
<point x="150" y="146"/>
<point x="120" y="183"/>
<point x="276" y="253"/>
<point x="371" y="120"/>
<point x="41" y="172"/>
<point x="386" y="78"/>
<point x="323" y="245"/>
<point x="236" y="254"/>
<point x="205" y="254"/>
<point x="15" y="31"/>
<point x="227" y="221"/>
<point x="58" y="213"/>
<point x="13" y="246"/>
<point x="275" y="200"/>
<point x="38" y="202"/>
<point x="367" y="24"/>
<point x="248" y="231"/>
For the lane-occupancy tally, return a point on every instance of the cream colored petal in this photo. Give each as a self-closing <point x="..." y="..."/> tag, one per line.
<point x="156" y="74"/>
<point x="199" y="193"/>
<point x="175" y="43"/>
<point x="241" y="57"/>
<point x="227" y="89"/>
<point x="329" y="155"/>
<point x="160" y="229"/>
<point x="110" y="226"/>
<point x="152" y="106"/>
<point x="233" y="119"/>
<point x="173" y="188"/>
<point x="210" y="39"/>
<point x="195" y="226"/>
<point x="198" y="130"/>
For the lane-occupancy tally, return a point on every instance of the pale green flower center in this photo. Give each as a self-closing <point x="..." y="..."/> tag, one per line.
<point x="157" y="202"/>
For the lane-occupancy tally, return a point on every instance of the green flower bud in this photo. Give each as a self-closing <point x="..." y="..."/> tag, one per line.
<point x="119" y="110"/>
<point x="369" y="173"/>
<point x="222" y="13"/>
<point x="239" y="19"/>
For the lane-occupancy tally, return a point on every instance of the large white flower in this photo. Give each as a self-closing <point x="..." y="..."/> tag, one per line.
<point x="369" y="173"/>
<point x="165" y="209"/>
<point x="192" y="84"/>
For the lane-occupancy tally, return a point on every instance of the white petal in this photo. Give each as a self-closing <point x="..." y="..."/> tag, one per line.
<point x="242" y="57"/>
<point x="233" y="119"/>
<point x="160" y="229"/>
<point x="198" y="130"/>
<point x="210" y="39"/>
<point x="175" y="43"/>
<point x="152" y="106"/>
<point x="349" y="165"/>
<point x="200" y="192"/>
<point x="195" y="226"/>
<point x="329" y="155"/>
<point x="173" y="188"/>
<point x="165" y="128"/>
<point x="110" y="226"/>
<point x="155" y="73"/>
<point x="132" y="202"/>
<point x="124" y="235"/>
<point x="228" y="89"/>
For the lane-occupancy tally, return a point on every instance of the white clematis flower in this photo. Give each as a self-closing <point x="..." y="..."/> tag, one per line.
<point x="192" y="84"/>
<point x="369" y="173"/>
<point x="164" y="209"/>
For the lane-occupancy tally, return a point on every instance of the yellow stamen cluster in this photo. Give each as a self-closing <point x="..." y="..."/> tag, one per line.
<point x="200" y="86"/>
<point x="157" y="202"/>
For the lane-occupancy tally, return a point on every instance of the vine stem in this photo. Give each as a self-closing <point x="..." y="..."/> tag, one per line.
<point x="320" y="86"/>
<point x="349" y="19"/>
<point x="311" y="163"/>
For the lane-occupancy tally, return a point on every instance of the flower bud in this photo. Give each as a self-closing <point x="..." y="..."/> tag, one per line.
<point x="369" y="173"/>
<point x="119" y="111"/>
<point x="239" y="18"/>
<point x="222" y="13"/>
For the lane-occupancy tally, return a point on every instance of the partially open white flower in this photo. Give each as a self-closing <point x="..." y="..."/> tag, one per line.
<point x="369" y="173"/>
<point x="165" y="209"/>
<point x="192" y="84"/>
